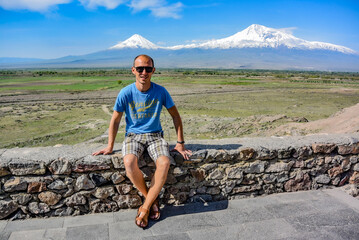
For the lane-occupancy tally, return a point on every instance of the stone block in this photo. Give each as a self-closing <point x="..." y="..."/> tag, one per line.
<point x="279" y="167"/>
<point x="171" y="179"/>
<point x="246" y="153"/>
<point x="104" y="192"/>
<point x="21" y="198"/>
<point x="4" y="171"/>
<point x="35" y="187"/>
<point x="83" y="182"/>
<point x="14" y="184"/>
<point x="256" y="167"/>
<point x="348" y="149"/>
<point x="92" y="163"/>
<point x="198" y="174"/>
<point x="345" y="164"/>
<point x="335" y="171"/>
<point x="124" y="189"/>
<point x="25" y="167"/>
<point x="234" y="173"/>
<point x="7" y="208"/>
<point x="98" y="179"/>
<point x="117" y="178"/>
<point x="354" y="179"/>
<point x="38" y="208"/>
<point x="323" y="179"/>
<point x="323" y="147"/>
<point x="265" y="154"/>
<point x="282" y="177"/>
<point x="76" y="199"/>
<point x="354" y="159"/>
<point x="285" y="153"/>
<point x="269" y="178"/>
<point x="63" y="212"/>
<point x="127" y="201"/>
<point x="217" y="155"/>
<point x="178" y="171"/>
<point x="50" y="198"/>
<point x="217" y="174"/>
<point x="213" y="191"/>
<point x="60" y="166"/>
<point x="100" y="206"/>
<point x="301" y="182"/>
<point x="209" y="166"/>
<point x="302" y="152"/>
<point x="356" y="167"/>
<point x="57" y="185"/>
<point x="117" y="161"/>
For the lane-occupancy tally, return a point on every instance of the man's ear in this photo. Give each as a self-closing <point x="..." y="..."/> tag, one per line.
<point x="154" y="69"/>
<point x="133" y="70"/>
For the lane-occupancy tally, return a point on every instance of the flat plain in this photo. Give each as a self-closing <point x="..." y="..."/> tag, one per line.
<point x="68" y="106"/>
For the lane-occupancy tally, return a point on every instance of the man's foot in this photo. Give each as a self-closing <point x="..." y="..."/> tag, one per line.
<point x="142" y="217"/>
<point x="155" y="213"/>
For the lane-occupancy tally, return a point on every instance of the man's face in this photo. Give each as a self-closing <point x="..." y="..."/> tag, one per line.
<point x="142" y="76"/>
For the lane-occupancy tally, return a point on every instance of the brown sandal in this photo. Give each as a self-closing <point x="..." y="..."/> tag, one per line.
<point x="143" y="218"/>
<point x="155" y="214"/>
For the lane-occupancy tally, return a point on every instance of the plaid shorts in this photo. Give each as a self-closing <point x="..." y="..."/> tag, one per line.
<point x="154" y="143"/>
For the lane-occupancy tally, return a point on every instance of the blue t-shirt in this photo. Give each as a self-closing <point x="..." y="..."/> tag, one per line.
<point x="143" y="109"/>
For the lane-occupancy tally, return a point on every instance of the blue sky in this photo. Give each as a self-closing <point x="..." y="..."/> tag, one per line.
<point x="56" y="28"/>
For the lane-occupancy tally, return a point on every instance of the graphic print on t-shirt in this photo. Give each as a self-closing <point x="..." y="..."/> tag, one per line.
<point x="144" y="109"/>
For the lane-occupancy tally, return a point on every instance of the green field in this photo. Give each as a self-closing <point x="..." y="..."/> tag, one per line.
<point x="67" y="106"/>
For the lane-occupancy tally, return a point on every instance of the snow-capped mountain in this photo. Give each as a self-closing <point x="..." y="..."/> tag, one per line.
<point x="256" y="47"/>
<point x="136" y="41"/>
<point x="258" y="36"/>
<point x="255" y="36"/>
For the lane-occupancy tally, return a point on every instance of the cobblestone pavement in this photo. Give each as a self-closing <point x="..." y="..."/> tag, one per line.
<point x="320" y="214"/>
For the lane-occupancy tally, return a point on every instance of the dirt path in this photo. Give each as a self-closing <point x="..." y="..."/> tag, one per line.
<point x="344" y="121"/>
<point x="105" y="109"/>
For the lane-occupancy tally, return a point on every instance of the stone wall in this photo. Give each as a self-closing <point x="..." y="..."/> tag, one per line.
<point x="67" y="180"/>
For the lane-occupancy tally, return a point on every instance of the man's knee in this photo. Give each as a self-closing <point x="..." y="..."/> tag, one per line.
<point x="130" y="162"/>
<point x="163" y="162"/>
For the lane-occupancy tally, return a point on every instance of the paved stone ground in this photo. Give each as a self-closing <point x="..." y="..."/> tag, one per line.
<point x="321" y="214"/>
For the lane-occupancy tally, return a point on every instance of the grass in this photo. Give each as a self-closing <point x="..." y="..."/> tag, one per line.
<point x="68" y="83"/>
<point x="213" y="104"/>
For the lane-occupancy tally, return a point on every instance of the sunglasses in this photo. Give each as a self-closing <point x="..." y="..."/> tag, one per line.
<point x="148" y="69"/>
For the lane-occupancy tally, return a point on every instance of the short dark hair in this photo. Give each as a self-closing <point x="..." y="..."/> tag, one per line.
<point x="144" y="55"/>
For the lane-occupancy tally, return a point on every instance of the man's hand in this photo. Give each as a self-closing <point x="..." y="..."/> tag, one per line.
<point x="186" y="153"/>
<point x="105" y="151"/>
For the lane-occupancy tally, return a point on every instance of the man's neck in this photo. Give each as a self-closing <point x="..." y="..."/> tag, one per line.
<point x="143" y="87"/>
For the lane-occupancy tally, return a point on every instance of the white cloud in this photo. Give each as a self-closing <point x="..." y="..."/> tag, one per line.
<point x="32" y="5"/>
<point x="158" y="8"/>
<point x="109" y="4"/>
<point x="171" y="11"/>
<point x="139" y="5"/>
<point x="288" y="30"/>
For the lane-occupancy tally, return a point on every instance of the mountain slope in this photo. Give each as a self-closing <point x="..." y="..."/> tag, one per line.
<point x="258" y="36"/>
<point x="136" y="41"/>
<point x="256" y="47"/>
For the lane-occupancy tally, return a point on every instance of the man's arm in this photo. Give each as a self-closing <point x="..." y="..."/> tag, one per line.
<point x="179" y="130"/>
<point x="112" y="132"/>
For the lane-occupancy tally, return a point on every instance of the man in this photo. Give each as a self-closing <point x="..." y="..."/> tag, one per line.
<point x="142" y="102"/>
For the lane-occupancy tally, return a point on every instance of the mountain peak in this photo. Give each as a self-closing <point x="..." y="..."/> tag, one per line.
<point x="259" y="36"/>
<point x="135" y="41"/>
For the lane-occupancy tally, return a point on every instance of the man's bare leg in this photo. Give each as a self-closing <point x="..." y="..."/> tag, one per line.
<point x="158" y="180"/>
<point x="134" y="173"/>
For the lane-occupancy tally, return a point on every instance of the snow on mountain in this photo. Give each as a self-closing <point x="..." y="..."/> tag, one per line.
<point x="258" y="36"/>
<point x="255" y="36"/>
<point x="135" y="41"/>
